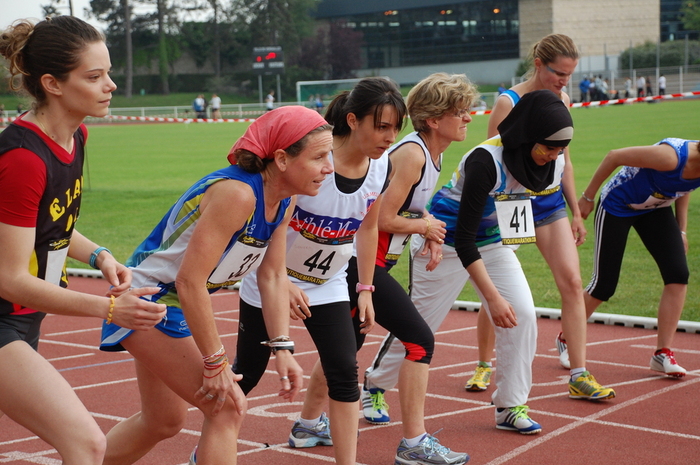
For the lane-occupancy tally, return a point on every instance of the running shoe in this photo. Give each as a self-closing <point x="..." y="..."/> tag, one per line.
<point x="429" y="451"/>
<point x="516" y="419"/>
<point x="193" y="457"/>
<point x="586" y="387"/>
<point x="665" y="362"/>
<point x="480" y="380"/>
<point x="319" y="435"/>
<point x="563" y="351"/>
<point x="374" y="407"/>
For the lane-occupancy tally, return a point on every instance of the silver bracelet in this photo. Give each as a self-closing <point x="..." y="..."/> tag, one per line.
<point x="583" y="195"/>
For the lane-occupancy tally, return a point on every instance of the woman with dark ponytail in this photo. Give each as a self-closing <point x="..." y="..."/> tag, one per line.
<point x="325" y="232"/>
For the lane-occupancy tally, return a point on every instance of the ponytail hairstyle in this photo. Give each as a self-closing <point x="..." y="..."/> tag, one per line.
<point x="52" y="46"/>
<point x="369" y="96"/>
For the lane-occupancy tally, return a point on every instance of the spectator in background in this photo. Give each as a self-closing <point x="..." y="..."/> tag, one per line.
<point x="583" y="87"/>
<point x="270" y="101"/>
<point x="501" y="88"/>
<point x="2" y="114"/>
<point x="599" y="87"/>
<point x="603" y="90"/>
<point x="319" y="103"/>
<point x="592" y="91"/>
<point x="641" y="84"/>
<point x="662" y="85"/>
<point x="650" y="92"/>
<point x="198" y="106"/>
<point x="628" y="87"/>
<point x="20" y="109"/>
<point x="215" y="104"/>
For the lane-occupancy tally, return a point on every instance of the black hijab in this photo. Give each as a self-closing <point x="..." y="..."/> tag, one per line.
<point x="539" y="117"/>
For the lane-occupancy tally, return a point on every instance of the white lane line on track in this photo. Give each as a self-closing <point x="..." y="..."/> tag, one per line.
<point x="583" y="421"/>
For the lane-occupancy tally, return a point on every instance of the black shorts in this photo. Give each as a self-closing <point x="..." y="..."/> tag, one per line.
<point x="25" y="328"/>
<point x="331" y="327"/>
<point x="659" y="232"/>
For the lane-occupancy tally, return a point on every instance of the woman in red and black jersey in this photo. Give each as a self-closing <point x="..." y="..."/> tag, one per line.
<point x="63" y="63"/>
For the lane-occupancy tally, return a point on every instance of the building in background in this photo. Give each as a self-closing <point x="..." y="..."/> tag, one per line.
<point x="486" y="39"/>
<point x="671" y="24"/>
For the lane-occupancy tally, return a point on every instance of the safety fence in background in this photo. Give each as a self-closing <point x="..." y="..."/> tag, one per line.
<point x="157" y="119"/>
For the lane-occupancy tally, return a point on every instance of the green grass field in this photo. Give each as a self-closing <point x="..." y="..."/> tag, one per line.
<point x="135" y="173"/>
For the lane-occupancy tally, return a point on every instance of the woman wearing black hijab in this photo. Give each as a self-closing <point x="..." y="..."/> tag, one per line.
<point x="531" y="137"/>
<point x="491" y="182"/>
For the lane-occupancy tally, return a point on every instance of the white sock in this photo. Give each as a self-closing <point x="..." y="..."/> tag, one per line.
<point x="576" y="372"/>
<point x="413" y="442"/>
<point x="310" y="423"/>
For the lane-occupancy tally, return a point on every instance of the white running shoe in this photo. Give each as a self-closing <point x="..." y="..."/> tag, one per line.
<point x="374" y="407"/>
<point x="517" y="419"/>
<point x="563" y="351"/>
<point x="665" y="362"/>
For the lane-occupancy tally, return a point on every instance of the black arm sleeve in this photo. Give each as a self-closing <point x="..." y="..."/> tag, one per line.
<point x="479" y="179"/>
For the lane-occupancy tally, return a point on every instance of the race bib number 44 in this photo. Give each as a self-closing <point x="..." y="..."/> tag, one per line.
<point x="316" y="259"/>
<point x="515" y="219"/>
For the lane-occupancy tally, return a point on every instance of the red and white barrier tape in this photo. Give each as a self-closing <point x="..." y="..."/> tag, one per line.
<point x="635" y="99"/>
<point x="600" y="103"/>
<point x="180" y="120"/>
<point x="159" y="119"/>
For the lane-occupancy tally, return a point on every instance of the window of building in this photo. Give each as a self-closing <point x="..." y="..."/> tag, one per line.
<point x="466" y="31"/>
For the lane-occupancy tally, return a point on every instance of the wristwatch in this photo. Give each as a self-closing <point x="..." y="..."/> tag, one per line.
<point x="364" y="287"/>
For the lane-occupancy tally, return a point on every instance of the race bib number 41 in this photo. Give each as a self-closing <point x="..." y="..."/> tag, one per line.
<point x="515" y="218"/>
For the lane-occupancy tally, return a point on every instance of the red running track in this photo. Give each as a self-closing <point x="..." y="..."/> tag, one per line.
<point x="653" y="419"/>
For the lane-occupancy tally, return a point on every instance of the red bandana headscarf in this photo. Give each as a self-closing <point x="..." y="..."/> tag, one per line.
<point x="277" y="129"/>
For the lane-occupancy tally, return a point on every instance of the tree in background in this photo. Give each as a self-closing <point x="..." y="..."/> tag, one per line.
<point x="223" y="33"/>
<point x="278" y="22"/>
<point x="671" y="53"/>
<point x="223" y="38"/>
<point x="344" y="51"/>
<point x="162" y="47"/>
<point x="690" y="15"/>
<point x="129" y="68"/>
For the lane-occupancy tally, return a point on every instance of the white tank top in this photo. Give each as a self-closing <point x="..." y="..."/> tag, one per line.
<point x="320" y="237"/>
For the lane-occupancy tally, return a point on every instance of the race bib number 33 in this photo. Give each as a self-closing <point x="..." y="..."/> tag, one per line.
<point x="515" y="219"/>
<point x="244" y="257"/>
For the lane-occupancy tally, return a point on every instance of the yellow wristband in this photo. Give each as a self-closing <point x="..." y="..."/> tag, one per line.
<point x="427" y="229"/>
<point x="110" y="314"/>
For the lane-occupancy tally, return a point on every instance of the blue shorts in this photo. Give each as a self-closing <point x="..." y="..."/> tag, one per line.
<point x="173" y="324"/>
<point x="21" y="328"/>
